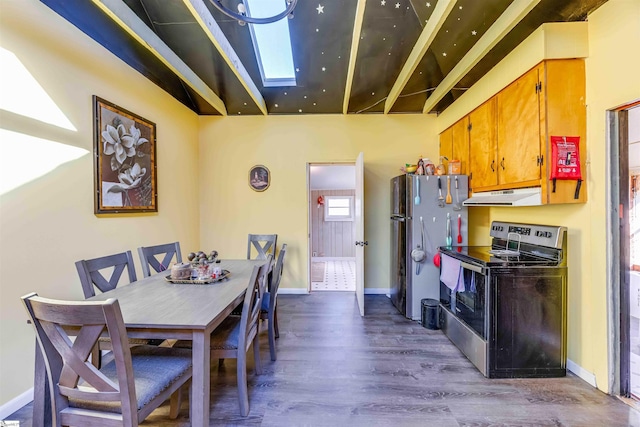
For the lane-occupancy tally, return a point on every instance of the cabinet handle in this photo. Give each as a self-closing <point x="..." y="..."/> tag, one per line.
<point x="493" y="162"/>
<point x="502" y="163"/>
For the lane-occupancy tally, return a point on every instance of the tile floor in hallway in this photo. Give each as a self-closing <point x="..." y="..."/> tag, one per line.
<point x="339" y="275"/>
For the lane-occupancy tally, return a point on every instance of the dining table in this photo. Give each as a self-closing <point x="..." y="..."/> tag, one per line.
<point x="155" y="308"/>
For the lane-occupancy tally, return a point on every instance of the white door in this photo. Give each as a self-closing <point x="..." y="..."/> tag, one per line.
<point x="360" y="242"/>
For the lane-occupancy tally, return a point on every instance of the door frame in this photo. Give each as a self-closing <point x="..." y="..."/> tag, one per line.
<point x="309" y="206"/>
<point x="618" y="250"/>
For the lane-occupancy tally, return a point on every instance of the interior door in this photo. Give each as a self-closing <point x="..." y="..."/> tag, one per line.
<point x="359" y="223"/>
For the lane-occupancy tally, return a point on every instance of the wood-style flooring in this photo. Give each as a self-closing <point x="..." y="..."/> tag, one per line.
<point x="335" y="368"/>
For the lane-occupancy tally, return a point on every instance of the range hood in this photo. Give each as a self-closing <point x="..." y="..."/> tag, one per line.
<point x="518" y="197"/>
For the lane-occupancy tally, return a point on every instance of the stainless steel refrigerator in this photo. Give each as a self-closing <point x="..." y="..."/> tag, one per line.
<point x="421" y="221"/>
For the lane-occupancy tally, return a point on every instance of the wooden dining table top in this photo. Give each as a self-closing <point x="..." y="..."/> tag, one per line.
<point x="155" y="303"/>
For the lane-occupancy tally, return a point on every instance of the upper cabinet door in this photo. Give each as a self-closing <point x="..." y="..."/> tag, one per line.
<point x="460" y="144"/>
<point x="482" y="143"/>
<point x="519" y="131"/>
<point x="446" y="145"/>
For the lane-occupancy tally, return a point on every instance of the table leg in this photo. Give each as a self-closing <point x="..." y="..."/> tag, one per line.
<point x="200" y="383"/>
<point x="41" y="397"/>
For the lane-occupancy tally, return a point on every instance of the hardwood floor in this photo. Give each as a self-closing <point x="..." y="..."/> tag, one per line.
<point x="335" y="368"/>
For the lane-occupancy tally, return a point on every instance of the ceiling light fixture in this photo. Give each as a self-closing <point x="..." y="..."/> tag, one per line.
<point x="242" y="17"/>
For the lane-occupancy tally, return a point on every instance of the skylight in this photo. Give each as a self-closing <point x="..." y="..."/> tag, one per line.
<point x="272" y="43"/>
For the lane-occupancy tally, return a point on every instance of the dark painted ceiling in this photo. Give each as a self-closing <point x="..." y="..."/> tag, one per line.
<point x="322" y="31"/>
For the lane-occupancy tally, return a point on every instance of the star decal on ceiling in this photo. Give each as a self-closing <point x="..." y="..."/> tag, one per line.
<point x="383" y="2"/>
<point x="474" y="32"/>
<point x="397" y="5"/>
<point x="444" y="53"/>
<point x="320" y="9"/>
<point x="428" y="4"/>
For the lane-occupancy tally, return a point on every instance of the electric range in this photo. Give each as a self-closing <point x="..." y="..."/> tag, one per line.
<point x="507" y="309"/>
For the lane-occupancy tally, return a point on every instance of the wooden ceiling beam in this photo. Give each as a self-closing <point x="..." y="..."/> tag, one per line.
<point x="355" y="42"/>
<point x="213" y="31"/>
<point x="500" y="28"/>
<point x="440" y="13"/>
<point x="120" y="13"/>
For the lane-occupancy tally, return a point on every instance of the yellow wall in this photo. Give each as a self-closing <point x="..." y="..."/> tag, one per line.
<point x="612" y="80"/>
<point x="48" y="224"/>
<point x="285" y="144"/>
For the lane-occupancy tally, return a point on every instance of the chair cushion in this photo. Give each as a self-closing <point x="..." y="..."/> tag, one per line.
<point x="265" y="301"/>
<point x="154" y="369"/>
<point x="227" y="335"/>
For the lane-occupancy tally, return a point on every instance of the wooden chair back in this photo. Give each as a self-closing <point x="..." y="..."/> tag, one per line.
<point x="92" y="272"/>
<point x="263" y="244"/>
<point x="275" y="278"/>
<point x="252" y="303"/>
<point x="67" y="361"/>
<point x="148" y="257"/>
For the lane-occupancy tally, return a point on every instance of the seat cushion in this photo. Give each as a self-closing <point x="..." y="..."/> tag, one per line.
<point x="154" y="369"/>
<point x="266" y="298"/>
<point x="227" y="335"/>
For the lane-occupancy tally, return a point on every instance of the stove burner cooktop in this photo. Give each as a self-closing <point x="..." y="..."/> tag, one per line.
<point x="481" y="255"/>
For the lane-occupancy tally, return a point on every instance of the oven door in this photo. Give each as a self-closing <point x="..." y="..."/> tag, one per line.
<point x="469" y="305"/>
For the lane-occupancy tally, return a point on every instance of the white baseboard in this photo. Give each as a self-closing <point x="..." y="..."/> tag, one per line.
<point x="331" y="258"/>
<point x="16" y="403"/>
<point x="579" y="371"/>
<point x="301" y="291"/>
<point x="293" y="291"/>
<point x="377" y="291"/>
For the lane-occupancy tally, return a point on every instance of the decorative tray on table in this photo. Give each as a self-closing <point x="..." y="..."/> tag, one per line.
<point x="207" y="281"/>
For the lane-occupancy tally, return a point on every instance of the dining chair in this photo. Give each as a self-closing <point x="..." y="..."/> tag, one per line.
<point x="121" y="393"/>
<point x="263" y="244"/>
<point x="269" y="307"/>
<point x="148" y="257"/>
<point x="92" y="272"/>
<point x="233" y="337"/>
<point x="92" y="276"/>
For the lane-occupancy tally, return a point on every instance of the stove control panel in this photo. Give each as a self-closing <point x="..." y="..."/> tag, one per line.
<point x="542" y="235"/>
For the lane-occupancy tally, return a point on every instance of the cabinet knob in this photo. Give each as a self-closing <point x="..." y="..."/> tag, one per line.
<point x="502" y="163"/>
<point x="493" y="163"/>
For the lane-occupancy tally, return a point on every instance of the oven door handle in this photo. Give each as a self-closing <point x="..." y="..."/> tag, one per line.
<point x="472" y="267"/>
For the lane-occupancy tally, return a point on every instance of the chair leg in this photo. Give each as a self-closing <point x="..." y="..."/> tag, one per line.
<point x="243" y="394"/>
<point x="272" y="340"/>
<point x="175" y="403"/>
<point x="275" y="321"/>
<point x="256" y="354"/>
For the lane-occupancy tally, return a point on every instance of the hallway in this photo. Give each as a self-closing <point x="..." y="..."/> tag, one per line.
<point x="339" y="275"/>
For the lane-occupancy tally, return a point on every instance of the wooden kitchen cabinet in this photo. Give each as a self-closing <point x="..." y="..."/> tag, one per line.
<point x="509" y="136"/>
<point x="483" y="158"/>
<point x="454" y="144"/>
<point x="518" y="132"/>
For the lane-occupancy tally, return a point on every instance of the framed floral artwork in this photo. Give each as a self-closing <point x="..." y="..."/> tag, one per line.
<point x="125" y="160"/>
<point x="259" y="178"/>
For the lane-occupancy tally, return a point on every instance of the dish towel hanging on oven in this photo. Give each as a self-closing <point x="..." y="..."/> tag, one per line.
<point x="450" y="273"/>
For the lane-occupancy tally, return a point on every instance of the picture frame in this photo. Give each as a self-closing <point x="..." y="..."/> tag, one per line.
<point x="259" y="178"/>
<point x="125" y="165"/>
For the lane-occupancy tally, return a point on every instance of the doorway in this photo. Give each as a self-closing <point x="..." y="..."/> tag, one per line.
<point x="624" y="137"/>
<point x="332" y="230"/>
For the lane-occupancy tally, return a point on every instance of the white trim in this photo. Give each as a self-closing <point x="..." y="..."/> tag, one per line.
<point x="301" y="291"/>
<point x="377" y="291"/>
<point x="293" y="291"/>
<point x="582" y="373"/>
<point x="330" y="258"/>
<point x="16" y="403"/>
